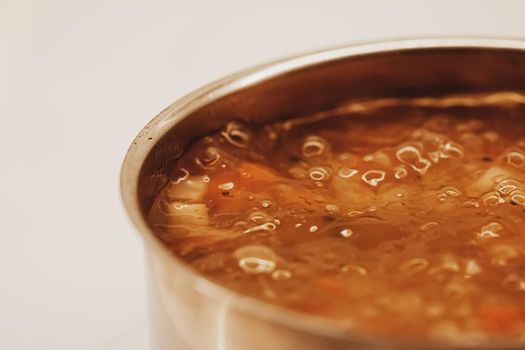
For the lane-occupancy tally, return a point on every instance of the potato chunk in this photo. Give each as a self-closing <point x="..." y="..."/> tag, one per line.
<point x="191" y="189"/>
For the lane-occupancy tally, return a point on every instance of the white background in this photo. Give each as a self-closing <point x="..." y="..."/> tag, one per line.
<point x="78" y="80"/>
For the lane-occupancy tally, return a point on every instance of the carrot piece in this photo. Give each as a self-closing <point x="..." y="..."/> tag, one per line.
<point x="500" y="318"/>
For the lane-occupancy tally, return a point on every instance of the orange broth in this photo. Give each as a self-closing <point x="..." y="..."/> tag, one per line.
<point x="398" y="217"/>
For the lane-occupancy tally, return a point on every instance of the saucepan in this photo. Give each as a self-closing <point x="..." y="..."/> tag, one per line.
<point x="189" y="311"/>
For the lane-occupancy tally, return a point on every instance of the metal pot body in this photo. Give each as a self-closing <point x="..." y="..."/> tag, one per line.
<point x="189" y="311"/>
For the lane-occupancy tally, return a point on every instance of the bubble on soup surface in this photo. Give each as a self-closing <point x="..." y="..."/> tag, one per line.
<point x="506" y="186"/>
<point x="255" y="259"/>
<point x="517" y="197"/>
<point x="281" y="275"/>
<point x="354" y="213"/>
<point x="257" y="250"/>
<point x="184" y="213"/>
<point x="314" y="146"/>
<point x="451" y="191"/>
<point x="208" y="158"/>
<point x="346" y="233"/>
<point x="373" y="177"/>
<point x="448" y="192"/>
<point x="491" y="230"/>
<point x="332" y="208"/>
<point x="236" y="134"/>
<point x="492" y="198"/>
<point x="180" y="176"/>
<point x="368" y="157"/>
<point x="252" y="265"/>
<point x="258" y="217"/>
<point x="411" y="156"/>
<point x="347" y="173"/>
<point x="515" y="158"/>
<point x="268" y="226"/>
<point x="239" y="225"/>
<point x="471" y="203"/>
<point x="318" y="173"/>
<point x="452" y="150"/>
<point x="359" y="270"/>
<point x="226" y="186"/>
<point x="434" y="156"/>
<point x="266" y="204"/>
<point x="415" y="265"/>
<point x="442" y="197"/>
<point x="428" y="226"/>
<point x="313" y="228"/>
<point x="400" y="172"/>
<point x="445" y="268"/>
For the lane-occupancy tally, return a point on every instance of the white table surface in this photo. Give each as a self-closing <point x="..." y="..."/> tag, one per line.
<point x="79" y="79"/>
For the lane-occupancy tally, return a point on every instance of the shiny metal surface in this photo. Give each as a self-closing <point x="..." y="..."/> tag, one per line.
<point x="208" y="316"/>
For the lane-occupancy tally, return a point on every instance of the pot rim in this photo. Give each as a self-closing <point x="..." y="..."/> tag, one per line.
<point x="178" y="110"/>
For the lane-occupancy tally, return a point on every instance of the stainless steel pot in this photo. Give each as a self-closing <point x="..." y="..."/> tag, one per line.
<point x="188" y="311"/>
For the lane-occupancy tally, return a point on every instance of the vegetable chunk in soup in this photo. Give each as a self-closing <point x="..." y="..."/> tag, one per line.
<point x="403" y="218"/>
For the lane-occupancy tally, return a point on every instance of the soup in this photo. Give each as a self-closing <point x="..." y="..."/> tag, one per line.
<point x="402" y="218"/>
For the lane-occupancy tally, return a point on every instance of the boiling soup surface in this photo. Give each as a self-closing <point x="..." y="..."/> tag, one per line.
<point x="398" y="217"/>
